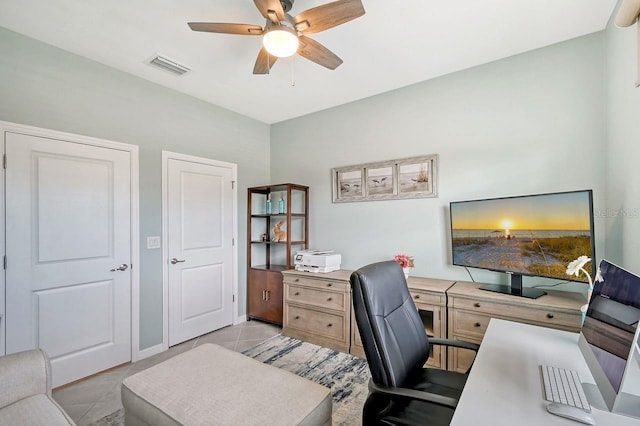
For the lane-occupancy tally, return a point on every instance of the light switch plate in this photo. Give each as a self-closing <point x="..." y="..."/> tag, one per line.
<point x="153" y="242"/>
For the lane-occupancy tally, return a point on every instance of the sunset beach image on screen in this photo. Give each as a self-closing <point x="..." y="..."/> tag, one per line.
<point x="530" y="235"/>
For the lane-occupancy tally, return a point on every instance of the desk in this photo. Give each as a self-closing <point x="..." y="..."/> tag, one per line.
<point x="504" y="386"/>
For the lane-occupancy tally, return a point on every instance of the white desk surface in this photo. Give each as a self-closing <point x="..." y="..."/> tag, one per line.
<point x="505" y="387"/>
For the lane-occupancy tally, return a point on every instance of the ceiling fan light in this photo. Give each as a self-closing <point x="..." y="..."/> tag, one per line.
<point x="281" y="41"/>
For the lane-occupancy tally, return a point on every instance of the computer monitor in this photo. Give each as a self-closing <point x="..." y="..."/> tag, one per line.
<point x="529" y="235"/>
<point x="609" y="340"/>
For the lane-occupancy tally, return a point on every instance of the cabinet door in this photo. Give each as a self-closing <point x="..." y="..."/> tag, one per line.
<point x="273" y="304"/>
<point x="356" y="349"/>
<point x="431" y="319"/>
<point x="461" y="359"/>
<point x="264" y="295"/>
<point x="256" y="286"/>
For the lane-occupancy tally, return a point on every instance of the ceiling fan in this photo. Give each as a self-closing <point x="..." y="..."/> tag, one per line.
<point x="284" y="35"/>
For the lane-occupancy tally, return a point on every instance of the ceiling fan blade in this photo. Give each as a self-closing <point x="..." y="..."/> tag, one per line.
<point x="264" y="62"/>
<point x="328" y="16"/>
<point x="264" y="6"/>
<point x="315" y="52"/>
<point x="215" y="27"/>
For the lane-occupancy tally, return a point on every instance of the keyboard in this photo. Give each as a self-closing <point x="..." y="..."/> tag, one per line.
<point x="564" y="387"/>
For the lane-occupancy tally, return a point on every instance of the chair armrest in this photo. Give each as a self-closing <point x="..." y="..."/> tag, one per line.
<point x="454" y="343"/>
<point x="414" y="394"/>
<point x="24" y="374"/>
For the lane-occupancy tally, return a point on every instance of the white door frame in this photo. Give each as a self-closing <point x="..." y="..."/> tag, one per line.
<point x="166" y="156"/>
<point x="135" y="219"/>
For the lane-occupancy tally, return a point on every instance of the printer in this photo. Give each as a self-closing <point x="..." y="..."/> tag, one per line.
<point x="317" y="261"/>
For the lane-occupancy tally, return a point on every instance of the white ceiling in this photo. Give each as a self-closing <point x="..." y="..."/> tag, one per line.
<point x="395" y="44"/>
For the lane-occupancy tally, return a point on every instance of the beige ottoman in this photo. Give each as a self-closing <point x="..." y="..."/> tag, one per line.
<point x="211" y="385"/>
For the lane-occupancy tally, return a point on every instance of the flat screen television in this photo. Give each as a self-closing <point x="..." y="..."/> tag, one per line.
<point x="609" y="340"/>
<point x="533" y="235"/>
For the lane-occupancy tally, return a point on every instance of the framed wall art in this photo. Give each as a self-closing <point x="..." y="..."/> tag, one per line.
<point x="380" y="181"/>
<point x="414" y="177"/>
<point x="348" y="184"/>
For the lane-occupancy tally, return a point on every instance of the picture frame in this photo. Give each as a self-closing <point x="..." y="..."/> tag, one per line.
<point x="414" y="177"/>
<point x="380" y="181"/>
<point x="348" y="184"/>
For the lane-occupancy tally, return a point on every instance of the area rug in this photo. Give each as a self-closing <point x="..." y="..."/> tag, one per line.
<point x="346" y="375"/>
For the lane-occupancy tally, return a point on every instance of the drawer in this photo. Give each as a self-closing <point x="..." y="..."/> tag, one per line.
<point x="317" y="297"/>
<point x="470" y="323"/>
<point x="343" y="286"/>
<point x="426" y="298"/>
<point x="315" y="322"/>
<point x="538" y="314"/>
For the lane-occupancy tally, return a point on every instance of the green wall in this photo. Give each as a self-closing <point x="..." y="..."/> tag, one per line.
<point x="531" y="123"/>
<point x="43" y="86"/>
<point x="623" y="147"/>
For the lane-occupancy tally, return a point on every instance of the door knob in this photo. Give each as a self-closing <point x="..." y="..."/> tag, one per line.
<point x="174" y="261"/>
<point x="122" y="267"/>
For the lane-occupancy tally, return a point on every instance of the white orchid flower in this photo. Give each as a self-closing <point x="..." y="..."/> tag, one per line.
<point x="578" y="264"/>
<point x="574" y="268"/>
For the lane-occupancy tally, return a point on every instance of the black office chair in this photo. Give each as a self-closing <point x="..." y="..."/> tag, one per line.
<point x="401" y="390"/>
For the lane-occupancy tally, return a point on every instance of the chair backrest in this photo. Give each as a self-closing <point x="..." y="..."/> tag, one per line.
<point x="395" y="342"/>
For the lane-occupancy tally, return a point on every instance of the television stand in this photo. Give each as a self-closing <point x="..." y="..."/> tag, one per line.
<point x="470" y="309"/>
<point x="515" y="289"/>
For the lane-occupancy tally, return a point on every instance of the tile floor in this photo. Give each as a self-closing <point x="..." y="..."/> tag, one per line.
<point x="93" y="398"/>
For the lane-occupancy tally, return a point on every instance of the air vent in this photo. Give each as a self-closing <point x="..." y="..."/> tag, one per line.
<point x="169" y="65"/>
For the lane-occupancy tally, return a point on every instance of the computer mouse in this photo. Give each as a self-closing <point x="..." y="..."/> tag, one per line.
<point x="570" y="412"/>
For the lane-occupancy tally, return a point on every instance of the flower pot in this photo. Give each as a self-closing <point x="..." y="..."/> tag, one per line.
<point x="406" y="271"/>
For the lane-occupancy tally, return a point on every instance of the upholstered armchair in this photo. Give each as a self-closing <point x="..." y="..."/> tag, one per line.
<point x="25" y="391"/>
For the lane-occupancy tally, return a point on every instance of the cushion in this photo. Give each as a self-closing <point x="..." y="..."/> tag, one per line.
<point x="35" y="410"/>
<point x="214" y="385"/>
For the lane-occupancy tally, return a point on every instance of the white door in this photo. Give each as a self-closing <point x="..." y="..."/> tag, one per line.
<point x="68" y="280"/>
<point x="200" y="232"/>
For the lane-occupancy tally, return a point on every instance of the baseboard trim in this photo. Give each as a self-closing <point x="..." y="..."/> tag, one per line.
<point x="153" y="350"/>
<point x="159" y="348"/>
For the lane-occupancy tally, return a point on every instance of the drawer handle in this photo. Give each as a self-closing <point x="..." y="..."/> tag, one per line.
<point x="296" y="317"/>
<point x="329" y="325"/>
<point x="550" y="316"/>
<point x="297" y="293"/>
<point x="417" y="296"/>
<point x="328" y="284"/>
<point x="296" y="280"/>
<point x="330" y="299"/>
<point x="477" y="324"/>
<point x="477" y="305"/>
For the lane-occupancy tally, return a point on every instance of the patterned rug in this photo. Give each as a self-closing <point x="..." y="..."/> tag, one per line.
<point x="346" y="375"/>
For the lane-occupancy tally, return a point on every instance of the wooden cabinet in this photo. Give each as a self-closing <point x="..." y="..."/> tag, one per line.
<point x="470" y="309"/>
<point x="264" y="295"/>
<point x="429" y="296"/>
<point x="268" y="254"/>
<point x="317" y="308"/>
